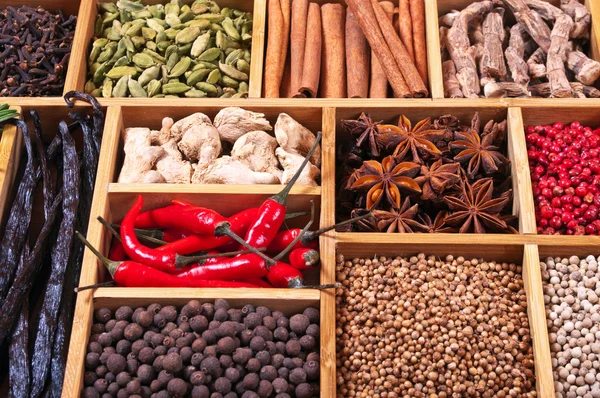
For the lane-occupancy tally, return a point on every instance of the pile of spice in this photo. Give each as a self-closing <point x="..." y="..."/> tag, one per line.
<point x="189" y="151"/>
<point x="422" y="326"/>
<point x="564" y="164"/>
<point x="571" y="291"/>
<point x="40" y="267"/>
<point x="432" y="177"/>
<point x="203" y="350"/>
<point x="35" y="47"/>
<point x="336" y="52"/>
<point x="518" y="48"/>
<point x="197" y="50"/>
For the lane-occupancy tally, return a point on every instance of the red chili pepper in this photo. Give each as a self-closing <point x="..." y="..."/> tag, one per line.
<point x="304" y="258"/>
<point x="283" y="275"/>
<point x="174" y="234"/>
<point x="117" y="252"/>
<point x="241" y="267"/>
<point x="134" y="274"/>
<point x="183" y="203"/>
<point x="195" y="243"/>
<point x="163" y="260"/>
<point x="198" y="220"/>
<point x="258" y="282"/>
<point x="284" y="238"/>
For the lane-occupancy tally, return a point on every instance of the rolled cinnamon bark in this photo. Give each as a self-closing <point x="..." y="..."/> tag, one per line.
<point x="311" y="73"/>
<point x="379" y="82"/>
<point x="396" y="19"/>
<point x="275" y="55"/>
<point x="407" y="68"/>
<point x="357" y="59"/>
<point x="285" y="90"/>
<point x="417" y="14"/>
<point x="368" y="22"/>
<point x="406" y="29"/>
<point x="297" y="43"/>
<point x="333" y="65"/>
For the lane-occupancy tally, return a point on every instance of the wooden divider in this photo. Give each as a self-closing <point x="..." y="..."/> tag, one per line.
<point x="10" y="149"/>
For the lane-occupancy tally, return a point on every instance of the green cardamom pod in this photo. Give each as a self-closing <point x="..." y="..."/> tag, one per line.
<point x="159" y="59"/>
<point x="108" y="7"/>
<point x="214" y="77"/>
<point x="201" y="23"/>
<point x="120" y="89"/>
<point x="107" y="88"/>
<point x="231" y="31"/>
<point x="153" y="88"/>
<point x="97" y="49"/>
<point x="229" y="82"/>
<point x="150" y="45"/>
<point x="233" y="57"/>
<point x="170" y="50"/>
<point x="186" y="16"/>
<point x="172" y="9"/>
<point x="243" y="88"/>
<point x="204" y="65"/>
<point x="173" y="80"/>
<point x="210" y="55"/>
<point x="125" y="16"/>
<point x="94" y="67"/>
<point x="221" y="40"/>
<point x="194" y="93"/>
<point x="163" y="45"/>
<point x="172" y="61"/>
<point x="99" y="73"/>
<point x="247" y="56"/>
<point x="107" y="53"/>
<point x="98" y="26"/>
<point x="96" y="93"/>
<point x="138" y="41"/>
<point x="136" y="89"/>
<point x="215" y="18"/>
<point x="113" y="34"/>
<point x="149" y="74"/>
<point x="172" y="20"/>
<point x="232" y="72"/>
<point x="226" y="95"/>
<point x="89" y="87"/>
<point x="129" y="44"/>
<point x="120" y="71"/>
<point x="171" y="33"/>
<point x="208" y="88"/>
<point x="155" y="25"/>
<point x="164" y="73"/>
<point x="157" y="11"/>
<point x="142" y="60"/>
<point x="187" y="35"/>
<point x="110" y="17"/>
<point x="215" y="27"/>
<point x="134" y="30"/>
<point x="130" y="5"/>
<point x="227" y="12"/>
<point x="148" y="34"/>
<point x="199" y="9"/>
<point x="144" y="14"/>
<point x="185" y="49"/>
<point x="243" y="66"/>
<point x="181" y="67"/>
<point x="200" y="45"/>
<point x="240" y="95"/>
<point x="197" y="76"/>
<point x="123" y="61"/>
<point x="175" y="88"/>
<point x="159" y="96"/>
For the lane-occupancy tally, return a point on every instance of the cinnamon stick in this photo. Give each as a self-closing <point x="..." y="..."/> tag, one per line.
<point x="368" y="22"/>
<point x="406" y="28"/>
<point x="396" y="19"/>
<point x="409" y="71"/>
<point x="285" y="90"/>
<point x="333" y="65"/>
<point x="557" y="55"/>
<point x="357" y="59"/>
<point x="297" y="43"/>
<point x="311" y="72"/>
<point x="275" y="55"/>
<point x="379" y="83"/>
<point x="417" y="14"/>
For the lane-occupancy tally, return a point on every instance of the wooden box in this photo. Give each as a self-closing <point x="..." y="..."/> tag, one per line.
<point x="10" y="143"/>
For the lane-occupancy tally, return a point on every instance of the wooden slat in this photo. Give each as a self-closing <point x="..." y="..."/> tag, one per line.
<point x="434" y="56"/>
<point x="186" y="189"/>
<point x="11" y="140"/>
<point x="532" y="279"/>
<point x="258" y="48"/>
<point x="76" y="74"/>
<point x="522" y="191"/>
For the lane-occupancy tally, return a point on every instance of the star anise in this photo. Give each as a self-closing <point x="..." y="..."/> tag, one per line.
<point x="366" y="130"/>
<point x="385" y="179"/>
<point x="368" y="224"/>
<point x="477" y="154"/>
<point x="418" y="141"/>
<point x="399" y="220"/>
<point x="437" y="177"/>
<point x="438" y="225"/>
<point x="474" y="211"/>
<point x="447" y="122"/>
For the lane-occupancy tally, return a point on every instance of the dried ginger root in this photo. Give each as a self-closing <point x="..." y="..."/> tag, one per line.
<point x="140" y="158"/>
<point x="234" y="122"/>
<point x="291" y="162"/>
<point x="557" y="55"/>
<point x="448" y="19"/>
<point x="201" y="142"/>
<point x="256" y="150"/>
<point x="183" y="125"/>
<point x="172" y="166"/>
<point x="505" y="89"/>
<point x="586" y="70"/>
<point x="537" y="64"/>
<point x="164" y="135"/>
<point x="515" y="53"/>
<point x="492" y="61"/>
<point x="546" y="10"/>
<point x="451" y="84"/>
<point x="531" y="22"/>
<point x="460" y="51"/>
<point x="225" y="170"/>
<point x="293" y="137"/>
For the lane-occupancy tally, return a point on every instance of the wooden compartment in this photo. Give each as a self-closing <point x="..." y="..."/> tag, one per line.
<point x="85" y="32"/>
<point x="487" y="247"/>
<point x="151" y="117"/>
<point x="437" y="8"/>
<point x="10" y="142"/>
<point x="68" y="7"/>
<point x="515" y="144"/>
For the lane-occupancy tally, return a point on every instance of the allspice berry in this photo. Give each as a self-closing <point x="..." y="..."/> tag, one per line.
<point x="304" y="390"/>
<point x="279" y="385"/>
<point x="116" y="363"/>
<point x="223" y="385"/>
<point x="226" y="345"/>
<point x="299" y="323"/>
<point x="172" y="363"/>
<point x="177" y="387"/>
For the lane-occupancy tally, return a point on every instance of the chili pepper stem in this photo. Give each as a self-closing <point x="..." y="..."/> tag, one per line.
<point x="310" y="235"/>
<point x="182" y="261"/>
<point x="109" y="226"/>
<point x="147" y="238"/>
<point x="297" y="284"/>
<point x="281" y="197"/>
<point x="96" y="285"/>
<point x="298" y="214"/>
<point x="300" y="235"/>
<point x="223" y="229"/>
<point x="152" y="233"/>
<point x="110" y="265"/>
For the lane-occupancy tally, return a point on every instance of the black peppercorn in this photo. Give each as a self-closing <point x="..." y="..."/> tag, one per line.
<point x="199" y="323"/>
<point x="172" y="363"/>
<point x="154" y="308"/>
<point x="158" y="363"/>
<point x="136" y="313"/>
<point x="226" y="361"/>
<point x="196" y="359"/>
<point x="293" y="347"/>
<point x="156" y="385"/>
<point x="313" y="356"/>
<point x="101" y="385"/>
<point x="159" y="320"/>
<point x="168" y="327"/>
<point x="209" y="336"/>
<point x="123" y="347"/>
<point x="265" y="389"/>
<point x="247" y="309"/>
<point x="191" y="309"/>
<point x="283" y="322"/>
<point x="263" y="311"/>
<point x="242" y="355"/>
<point x="250" y="394"/>
<point x="168" y="342"/>
<point x="132" y="365"/>
<point x="110" y="377"/>
<point x="90" y="392"/>
<point x="263" y="357"/>
<point x="270" y="323"/>
<point x="221" y="303"/>
<point x="177" y="387"/>
<point x="101" y="371"/>
<point x="92" y="360"/>
<point x="289" y="363"/>
<point x="245" y="336"/>
<point x="186" y="354"/>
<point x="235" y="315"/>
<point x="313" y="330"/>
<point x="277" y="360"/>
<point x="160" y="350"/>
<point x="175" y="333"/>
<point x="96" y="347"/>
<point x="263" y="332"/>
<point x="117" y="333"/>
<point x="145" y="318"/>
<point x="225" y="345"/>
<point x="187" y="371"/>
<point x="212" y="366"/>
<point x="137" y="346"/>
<point x="208" y="310"/>
<point x="280" y="347"/>
<point x="210" y="351"/>
<point x="297" y="376"/>
<point x="98" y="328"/>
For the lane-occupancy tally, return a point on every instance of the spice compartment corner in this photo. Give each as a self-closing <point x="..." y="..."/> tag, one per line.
<point x="10" y="141"/>
<point x="85" y="31"/>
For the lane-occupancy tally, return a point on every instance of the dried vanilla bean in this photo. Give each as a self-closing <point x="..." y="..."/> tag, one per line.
<point x="515" y="53"/>
<point x="492" y="61"/>
<point x="580" y="15"/>
<point x="459" y="48"/>
<point x="537" y="64"/>
<point x="557" y="55"/>
<point x="586" y="70"/>
<point x="505" y="89"/>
